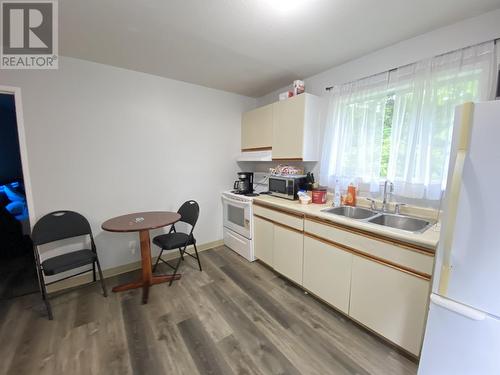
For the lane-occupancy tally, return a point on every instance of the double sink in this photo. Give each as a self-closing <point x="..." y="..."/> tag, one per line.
<point x="398" y="221"/>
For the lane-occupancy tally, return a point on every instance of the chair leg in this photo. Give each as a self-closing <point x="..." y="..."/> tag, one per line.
<point x="104" y="292"/>
<point x="182" y="254"/>
<point x="197" y="256"/>
<point x="48" y="307"/>
<point x="93" y="272"/>
<point x="176" y="268"/>
<point x="157" y="261"/>
<point x="45" y="295"/>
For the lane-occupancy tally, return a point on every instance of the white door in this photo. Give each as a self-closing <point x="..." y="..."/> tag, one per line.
<point x="475" y="249"/>
<point x="327" y="272"/>
<point x="288" y="253"/>
<point x="263" y="240"/>
<point x="459" y="341"/>
<point x="389" y="301"/>
<point x="288" y="127"/>
<point x="257" y="128"/>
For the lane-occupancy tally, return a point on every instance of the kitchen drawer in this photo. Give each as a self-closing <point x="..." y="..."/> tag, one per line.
<point x="295" y="221"/>
<point x="396" y="254"/>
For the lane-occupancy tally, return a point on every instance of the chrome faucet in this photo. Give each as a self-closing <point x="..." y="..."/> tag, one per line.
<point x="397" y="208"/>
<point x="388" y="189"/>
<point x="373" y="206"/>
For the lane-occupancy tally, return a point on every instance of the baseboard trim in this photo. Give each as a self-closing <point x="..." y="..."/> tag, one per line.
<point x="115" y="271"/>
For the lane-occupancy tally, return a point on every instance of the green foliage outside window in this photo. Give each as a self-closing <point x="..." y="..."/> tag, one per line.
<point x="386" y="136"/>
<point x="442" y="92"/>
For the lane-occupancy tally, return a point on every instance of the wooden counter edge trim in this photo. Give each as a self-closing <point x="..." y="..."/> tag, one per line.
<point x="378" y="237"/>
<point x="272" y="207"/>
<point x="362" y="254"/>
<point x="290" y="159"/>
<point x="279" y="224"/>
<point x="256" y="149"/>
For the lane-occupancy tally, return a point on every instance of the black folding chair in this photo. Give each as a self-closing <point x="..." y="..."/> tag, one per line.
<point x="56" y="226"/>
<point x="189" y="212"/>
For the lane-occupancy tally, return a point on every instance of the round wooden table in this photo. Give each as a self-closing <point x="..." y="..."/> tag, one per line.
<point x="143" y="222"/>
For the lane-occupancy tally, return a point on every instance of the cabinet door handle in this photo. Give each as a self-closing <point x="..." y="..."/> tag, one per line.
<point x="458" y="308"/>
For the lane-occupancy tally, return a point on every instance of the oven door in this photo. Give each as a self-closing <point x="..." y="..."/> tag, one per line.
<point x="237" y="216"/>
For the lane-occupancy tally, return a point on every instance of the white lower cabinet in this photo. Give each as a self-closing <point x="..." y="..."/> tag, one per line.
<point x="390" y="302"/>
<point x="288" y="253"/>
<point x="328" y="261"/>
<point x="263" y="240"/>
<point x="327" y="272"/>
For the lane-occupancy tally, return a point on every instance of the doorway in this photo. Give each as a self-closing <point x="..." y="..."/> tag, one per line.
<point x="17" y="265"/>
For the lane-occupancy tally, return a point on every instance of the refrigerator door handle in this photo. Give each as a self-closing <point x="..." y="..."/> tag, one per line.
<point x="453" y="191"/>
<point x="458" y="308"/>
<point x="446" y="240"/>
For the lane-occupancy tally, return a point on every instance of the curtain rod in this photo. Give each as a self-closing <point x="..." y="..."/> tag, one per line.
<point x="329" y="88"/>
<point x="372" y="75"/>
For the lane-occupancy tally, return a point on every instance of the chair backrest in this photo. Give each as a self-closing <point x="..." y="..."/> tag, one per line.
<point x="59" y="225"/>
<point x="189" y="212"/>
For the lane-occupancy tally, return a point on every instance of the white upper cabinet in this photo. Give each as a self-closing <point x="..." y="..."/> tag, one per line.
<point x="257" y="129"/>
<point x="296" y="128"/>
<point x="289" y="127"/>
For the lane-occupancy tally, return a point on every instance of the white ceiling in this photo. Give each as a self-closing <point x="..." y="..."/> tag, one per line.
<point x="250" y="47"/>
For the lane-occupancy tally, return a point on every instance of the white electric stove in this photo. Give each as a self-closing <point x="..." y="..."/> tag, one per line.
<point x="238" y="221"/>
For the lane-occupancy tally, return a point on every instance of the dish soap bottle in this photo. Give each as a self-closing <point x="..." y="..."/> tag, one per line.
<point x="336" y="195"/>
<point x="350" y="199"/>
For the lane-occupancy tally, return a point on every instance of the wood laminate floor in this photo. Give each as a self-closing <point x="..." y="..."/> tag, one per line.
<point x="235" y="317"/>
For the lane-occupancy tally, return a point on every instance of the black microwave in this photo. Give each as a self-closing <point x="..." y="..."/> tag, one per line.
<point x="286" y="186"/>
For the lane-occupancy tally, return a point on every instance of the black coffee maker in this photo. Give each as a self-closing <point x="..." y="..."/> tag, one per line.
<point x="244" y="184"/>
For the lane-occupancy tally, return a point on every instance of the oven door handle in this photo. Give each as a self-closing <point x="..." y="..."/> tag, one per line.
<point x="240" y="203"/>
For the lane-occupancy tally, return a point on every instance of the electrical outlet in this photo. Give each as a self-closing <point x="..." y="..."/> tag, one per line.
<point x="132" y="245"/>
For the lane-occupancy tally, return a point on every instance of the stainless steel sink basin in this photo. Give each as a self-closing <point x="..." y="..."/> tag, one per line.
<point x="352" y="212"/>
<point x="397" y="221"/>
<point x="411" y="224"/>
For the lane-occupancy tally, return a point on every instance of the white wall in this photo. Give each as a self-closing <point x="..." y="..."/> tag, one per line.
<point x="106" y="141"/>
<point x="459" y="35"/>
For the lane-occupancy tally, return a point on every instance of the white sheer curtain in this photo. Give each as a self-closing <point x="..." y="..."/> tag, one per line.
<point x="425" y="96"/>
<point x="417" y="103"/>
<point x="353" y="135"/>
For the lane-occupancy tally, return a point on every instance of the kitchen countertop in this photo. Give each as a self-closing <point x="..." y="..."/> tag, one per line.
<point x="428" y="239"/>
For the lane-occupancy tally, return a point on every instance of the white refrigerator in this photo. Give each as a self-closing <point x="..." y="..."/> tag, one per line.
<point x="462" y="335"/>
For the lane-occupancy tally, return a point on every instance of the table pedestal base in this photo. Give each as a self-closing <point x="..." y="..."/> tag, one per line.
<point x="145" y="285"/>
<point x="147" y="279"/>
